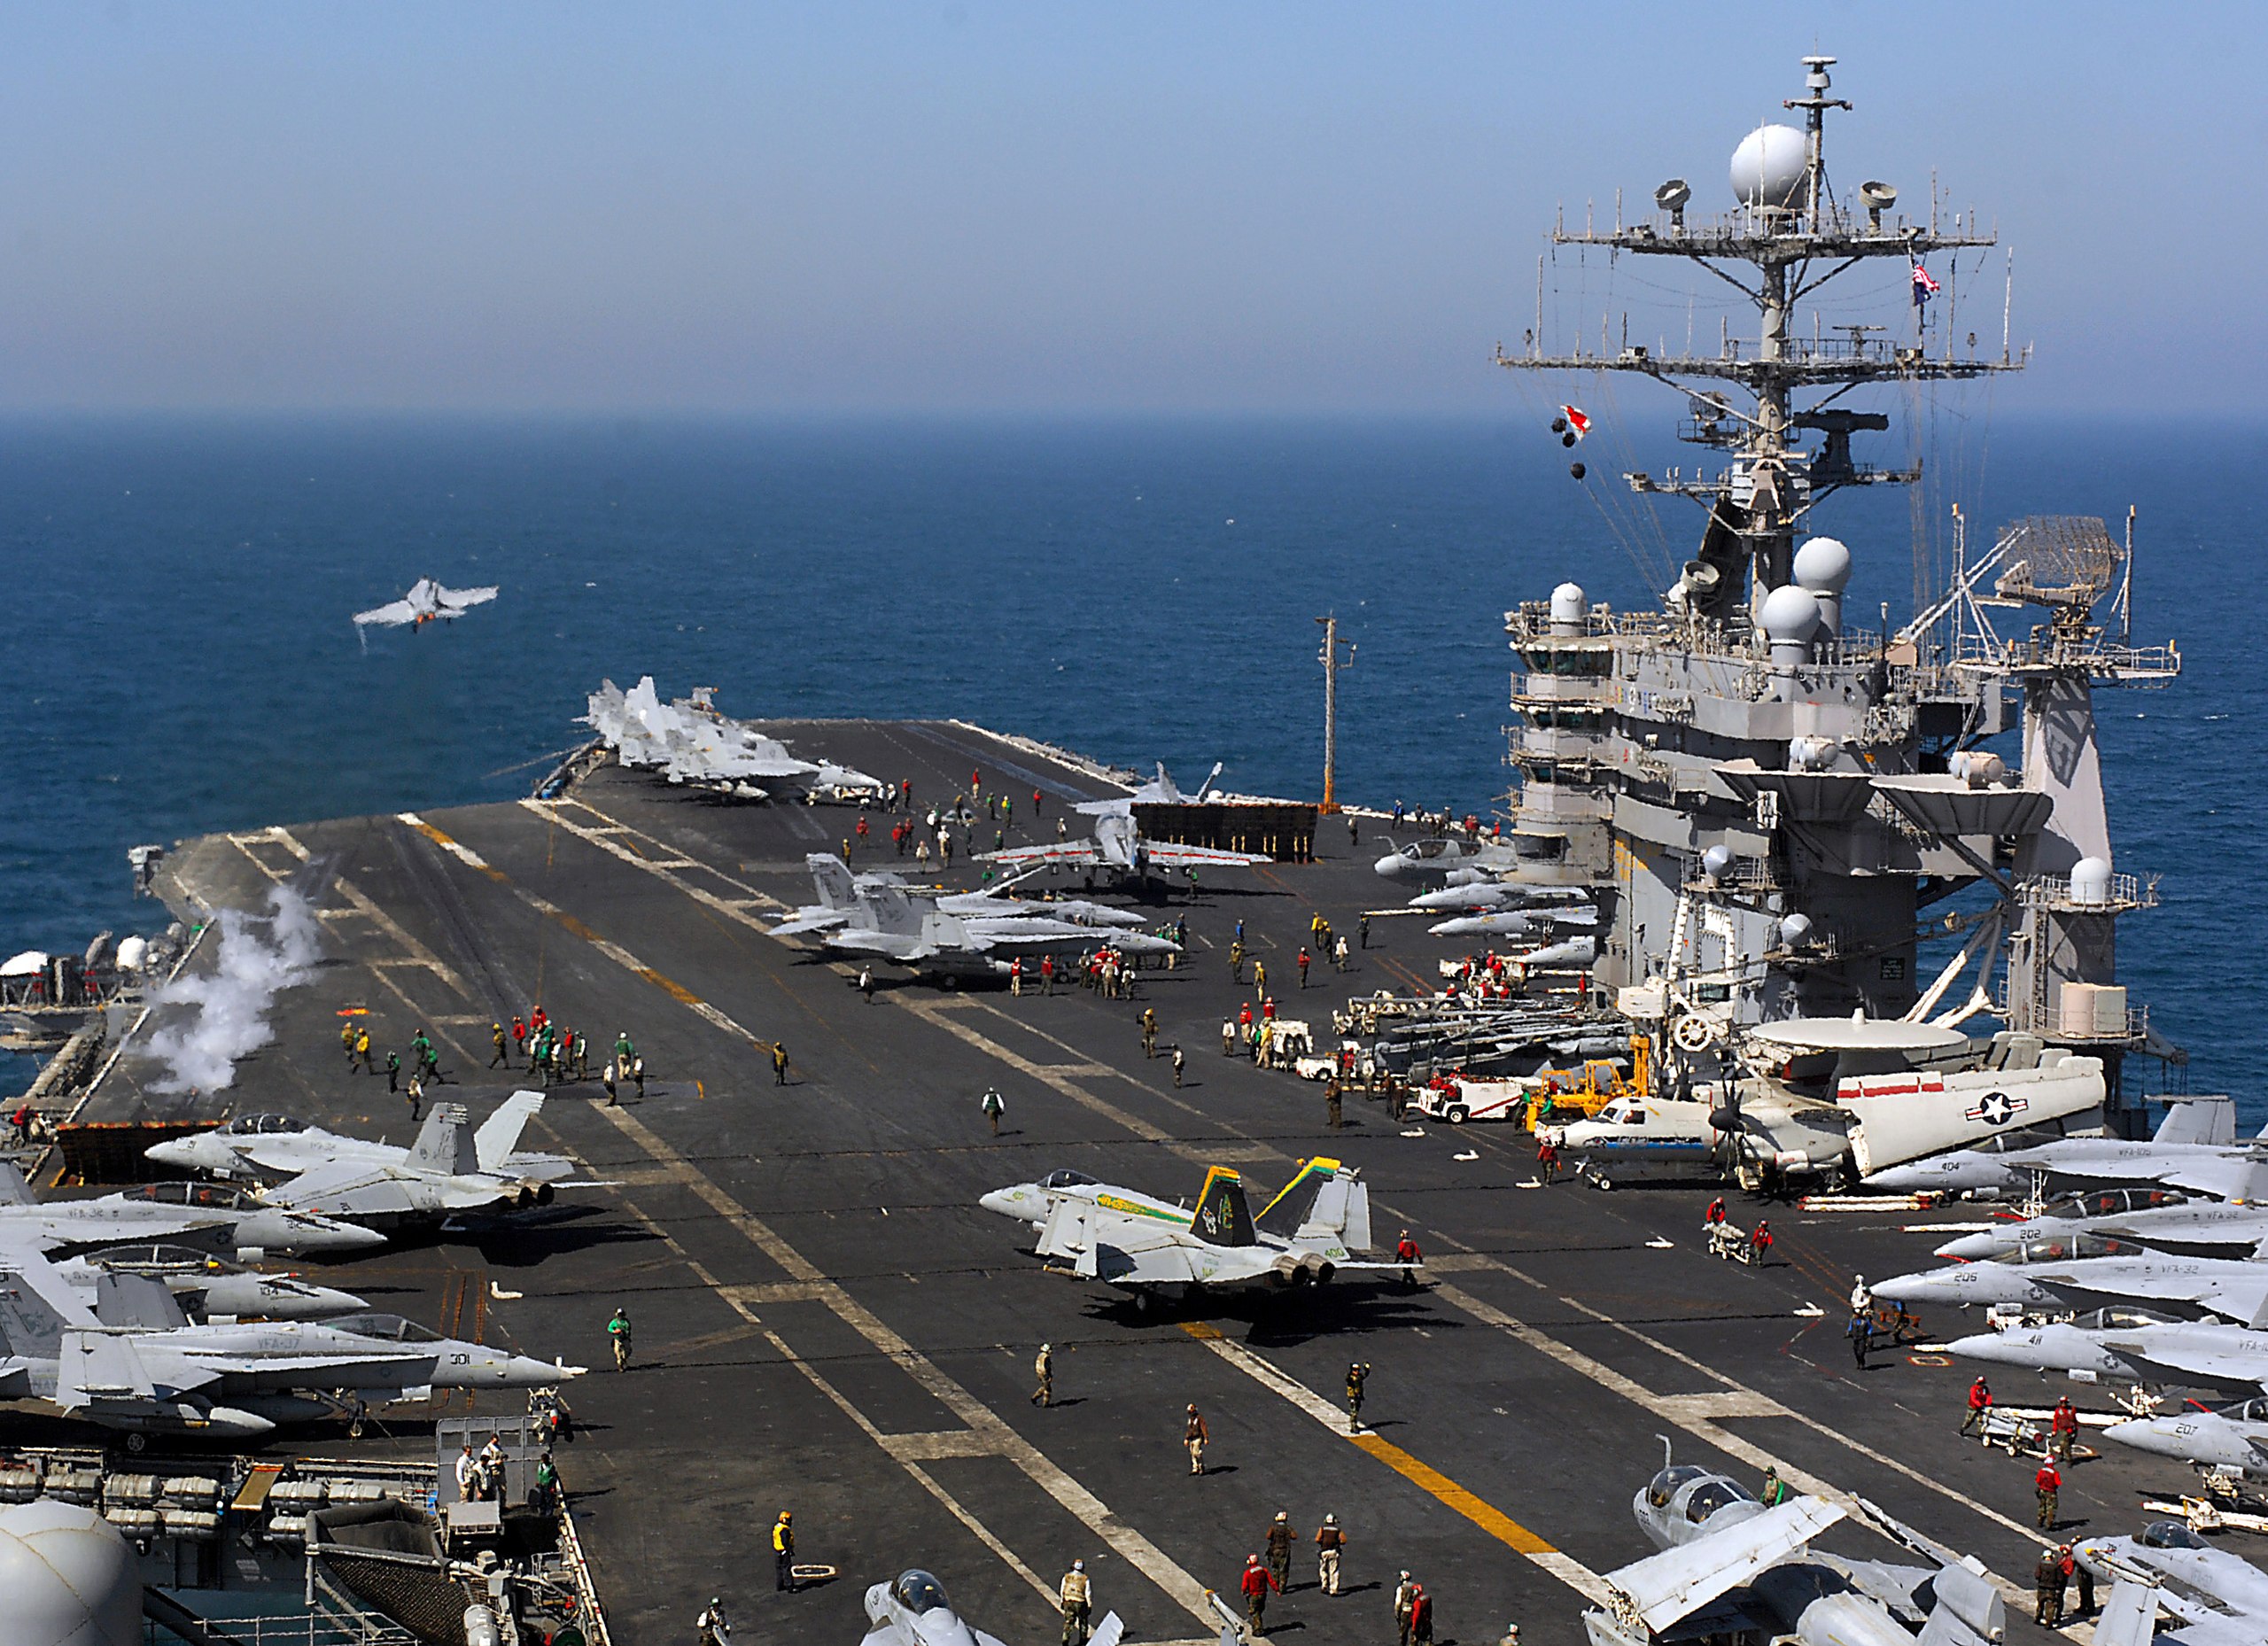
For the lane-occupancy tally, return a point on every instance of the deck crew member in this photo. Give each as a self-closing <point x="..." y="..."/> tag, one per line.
<point x="503" y="1046"/>
<point x="1980" y="1402"/>
<point x="995" y="1106"/>
<point x="1279" y="1548"/>
<point x="779" y="1062"/>
<point x="783" y="1550"/>
<point x="1043" y="1367"/>
<point x="1357" y="1374"/>
<point x="1074" y="1598"/>
<point x="1193" y="1436"/>
<point x="1775" y="1490"/>
<point x="1256" y="1583"/>
<point x="1149" y="1032"/>
<point x="1329" y="1541"/>
<point x="2063" y="1429"/>
<point x="2047" y="1589"/>
<point x="618" y="1332"/>
<point x="1176" y="1066"/>
<point x="1407" y="1255"/>
<point x="2044" y="1486"/>
<point x="393" y="1073"/>
<point x="711" y="1625"/>
<point x="1404" y="1593"/>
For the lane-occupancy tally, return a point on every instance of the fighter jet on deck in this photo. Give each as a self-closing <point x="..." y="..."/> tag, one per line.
<point x="2193" y="1130"/>
<point x="2232" y="1437"/>
<point x="2214" y="1598"/>
<point x="1128" y="1244"/>
<point x="2164" y="1220"/>
<point x="167" y="1211"/>
<point x="1728" y="1564"/>
<point x="1448" y="860"/>
<point x="913" y="1612"/>
<point x="427" y="601"/>
<point x="839" y="892"/>
<point x="2135" y="1345"/>
<point x="272" y="1148"/>
<point x="911" y="929"/>
<point x="440" y="1177"/>
<point x="692" y="742"/>
<point x="132" y="1363"/>
<point x="206" y="1286"/>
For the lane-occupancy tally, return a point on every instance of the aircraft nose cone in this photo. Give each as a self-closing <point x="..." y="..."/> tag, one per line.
<point x="1971" y="1248"/>
<point x="1004" y="1202"/>
<point x="1989" y="1345"/>
<point x="1910" y="1288"/>
<point x="172" y="1152"/>
<point x="326" y="1236"/>
<point x="2146" y="1434"/>
<point x="1389" y="865"/>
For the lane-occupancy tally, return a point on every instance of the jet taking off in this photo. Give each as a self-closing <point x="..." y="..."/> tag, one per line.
<point x="913" y="1610"/>
<point x="166" y="1211"/>
<point x="1730" y="1564"/>
<point x="427" y="601"/>
<point x="276" y="1147"/>
<point x="132" y="1363"/>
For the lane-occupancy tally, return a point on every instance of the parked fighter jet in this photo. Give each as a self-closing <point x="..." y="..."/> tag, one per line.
<point x="167" y="1211"/>
<point x="2008" y="1164"/>
<point x="427" y="601"/>
<point x="276" y="1147"/>
<point x="2164" y="1220"/>
<point x="132" y="1363"/>
<point x="439" y="1177"/>
<point x="692" y="742"/>
<point x="2024" y="1275"/>
<point x="1515" y="923"/>
<point x="913" y="1610"/>
<point x="1306" y="1212"/>
<point x="896" y="925"/>
<point x="838" y="903"/>
<point x="1728" y="1564"/>
<point x="1448" y="860"/>
<point x="1119" y="849"/>
<point x="2234" y="1437"/>
<point x="209" y="1287"/>
<point x="2214" y="1598"/>
<point x="2138" y="1345"/>
<point x="1217" y="1245"/>
<point x="1483" y="895"/>
<point x="1160" y="790"/>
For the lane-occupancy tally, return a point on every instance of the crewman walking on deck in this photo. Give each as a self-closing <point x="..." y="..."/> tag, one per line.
<point x="1260" y="980"/>
<point x="1328" y="1542"/>
<point x="1193" y="1436"/>
<point x="1404" y="1593"/>
<point x="1256" y="1583"/>
<point x="711" y="1625"/>
<point x="519" y="1038"/>
<point x="2073" y="1568"/>
<point x="866" y="983"/>
<point x="1074" y="1597"/>
<point x="347" y="1032"/>
<point x="1357" y="1374"/>
<point x="1980" y="1402"/>
<point x="637" y="1076"/>
<point x="995" y="1106"/>
<point x="1149" y="1032"/>
<point x="1421" y="1616"/>
<point x="1043" y="1367"/>
<point x="618" y="1334"/>
<point x="363" y="1051"/>
<point x="1047" y="975"/>
<point x="1760" y="1243"/>
<point x="784" y="1552"/>
<point x="393" y="1073"/>
<point x="1177" y="1067"/>
<point x="416" y="1096"/>
<point x="779" y="1062"/>
<point x="1236" y="960"/>
<point x="2063" y="1429"/>
<point x="1775" y="1490"/>
<point x="503" y="1046"/>
<point x="1334" y="1105"/>
<point x="1338" y="954"/>
<point x="1016" y="977"/>
<point x="1279" y="1548"/>
<point x="2045" y="1485"/>
<point x="1407" y="1255"/>
<point x="1303" y="966"/>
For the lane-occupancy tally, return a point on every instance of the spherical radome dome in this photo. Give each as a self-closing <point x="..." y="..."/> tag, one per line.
<point x="1569" y="603"/>
<point x="1824" y="565"/>
<point x="2091" y="881"/>
<point x="1795" y="928"/>
<point x="1768" y="166"/>
<point x="68" y="1578"/>
<point x="1790" y="613"/>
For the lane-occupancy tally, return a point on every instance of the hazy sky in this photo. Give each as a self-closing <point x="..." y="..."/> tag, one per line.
<point x="968" y="205"/>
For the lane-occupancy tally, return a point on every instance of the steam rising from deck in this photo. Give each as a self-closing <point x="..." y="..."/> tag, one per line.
<point x="226" y="1016"/>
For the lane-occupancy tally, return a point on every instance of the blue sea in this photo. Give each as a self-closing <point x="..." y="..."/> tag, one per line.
<point x="179" y="657"/>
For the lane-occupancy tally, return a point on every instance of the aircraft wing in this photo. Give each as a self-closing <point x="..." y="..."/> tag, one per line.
<point x="2229" y="1177"/>
<point x="2203" y="1361"/>
<point x="457" y="600"/>
<point x="347" y="1189"/>
<point x="1070" y="854"/>
<point x="392" y="614"/>
<point x="2130" y="1617"/>
<point x="816" y="919"/>
<point x="1662" y="1588"/>
<point x="1163" y="854"/>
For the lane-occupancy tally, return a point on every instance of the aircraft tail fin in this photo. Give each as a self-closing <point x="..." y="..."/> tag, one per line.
<point x="499" y="1133"/>
<point x="1222" y="1217"/>
<point x="29" y="1326"/>
<point x="2199" y="1120"/>
<point x="1326" y="1200"/>
<point x="1296" y="1204"/>
<point x="136" y="1301"/>
<point x="1969" y="1608"/>
<point x="892" y="910"/>
<point x="2130" y="1617"/>
<point x="1206" y="786"/>
<point x="13" y="1191"/>
<point x="1117" y="838"/>
<point x="445" y="1145"/>
<point x="831" y="879"/>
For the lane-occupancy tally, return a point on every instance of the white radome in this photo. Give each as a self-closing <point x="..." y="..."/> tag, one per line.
<point x="1768" y="166"/>
<point x="1790" y="613"/>
<point x="68" y="1579"/>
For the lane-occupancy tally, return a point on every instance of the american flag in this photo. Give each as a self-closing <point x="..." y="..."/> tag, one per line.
<point x="1924" y="288"/>
<point x="1578" y="423"/>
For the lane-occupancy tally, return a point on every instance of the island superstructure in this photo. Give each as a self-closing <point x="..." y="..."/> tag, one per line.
<point x="1769" y="799"/>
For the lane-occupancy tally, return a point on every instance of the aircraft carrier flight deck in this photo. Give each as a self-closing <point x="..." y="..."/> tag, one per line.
<point x="826" y="1322"/>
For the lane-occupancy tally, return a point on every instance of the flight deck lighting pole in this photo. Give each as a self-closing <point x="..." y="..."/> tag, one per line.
<point x="1332" y="665"/>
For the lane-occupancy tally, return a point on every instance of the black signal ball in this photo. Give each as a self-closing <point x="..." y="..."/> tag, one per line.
<point x="1559" y="425"/>
<point x="1576" y="470"/>
<point x="1568" y="439"/>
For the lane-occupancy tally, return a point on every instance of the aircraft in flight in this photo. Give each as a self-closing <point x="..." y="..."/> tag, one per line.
<point x="913" y="1610"/>
<point x="427" y="601"/>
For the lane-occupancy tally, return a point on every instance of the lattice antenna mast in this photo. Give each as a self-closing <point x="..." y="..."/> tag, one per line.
<point x="1788" y="236"/>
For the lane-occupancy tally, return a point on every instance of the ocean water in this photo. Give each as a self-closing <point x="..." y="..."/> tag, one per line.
<point x="179" y="656"/>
